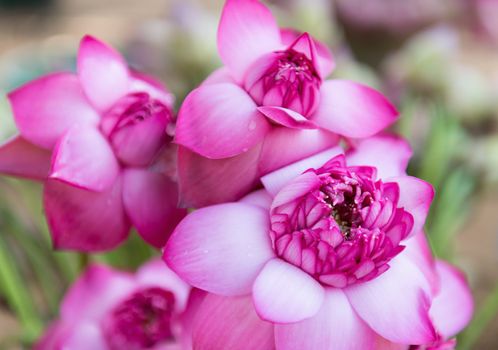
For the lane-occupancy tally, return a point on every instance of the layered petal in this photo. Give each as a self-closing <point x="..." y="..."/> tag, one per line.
<point x="220" y="75"/>
<point x="19" y="157"/>
<point x="452" y="308"/>
<point x="259" y="198"/>
<point x="325" y="59"/>
<point x="204" y="181"/>
<point x="247" y="30"/>
<point x="396" y="303"/>
<point x="103" y="73"/>
<point x="352" y="109"/>
<point x="150" y="200"/>
<point x="85" y="220"/>
<point x="335" y="327"/>
<point x="293" y="145"/>
<point x="230" y="323"/>
<point x="155" y="273"/>
<point x="47" y="107"/>
<point x="415" y="195"/>
<point x="287" y="117"/>
<point x="276" y="180"/>
<point x="84" y="158"/>
<point x="220" y="121"/>
<point x="86" y="335"/>
<point x="221" y="248"/>
<point x="94" y="293"/>
<point x="283" y="293"/>
<point x="388" y="154"/>
<point x="141" y="82"/>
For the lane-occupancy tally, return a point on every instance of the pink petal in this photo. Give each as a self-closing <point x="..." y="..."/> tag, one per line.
<point x="325" y="59"/>
<point x="220" y="75"/>
<point x="336" y="326"/>
<point x="247" y="30"/>
<point x="230" y="323"/>
<point x="85" y="220"/>
<point x="18" y="157"/>
<point x="156" y="273"/>
<point x="452" y="308"/>
<point x="352" y="109"/>
<point x="416" y="197"/>
<point x="384" y="344"/>
<point x="220" y="121"/>
<point x="84" y="158"/>
<point x="259" y="198"/>
<point x="221" y="248"/>
<point x="86" y="335"/>
<point x="396" y="303"/>
<point x="150" y="200"/>
<point x="389" y="154"/>
<point x="283" y="293"/>
<point x="276" y="180"/>
<point x="47" y="107"/>
<point x="103" y="73"/>
<point x="287" y="118"/>
<point x="305" y="44"/>
<point x="292" y="145"/>
<point x="95" y="293"/>
<point x="206" y="181"/>
<point x="141" y="82"/>
<point x="296" y="188"/>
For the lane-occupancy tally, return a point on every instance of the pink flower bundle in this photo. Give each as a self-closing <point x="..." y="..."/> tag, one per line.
<point x="297" y="241"/>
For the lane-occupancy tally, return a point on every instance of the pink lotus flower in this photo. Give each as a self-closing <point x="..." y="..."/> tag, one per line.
<point x="98" y="141"/>
<point x="107" y="309"/>
<point x="320" y="250"/>
<point x="268" y="107"/>
<point x="223" y="322"/>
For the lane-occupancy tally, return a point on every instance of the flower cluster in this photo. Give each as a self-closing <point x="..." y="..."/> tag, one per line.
<point x="296" y="241"/>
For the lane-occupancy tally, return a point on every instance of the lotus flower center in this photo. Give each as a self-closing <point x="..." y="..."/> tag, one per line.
<point x="290" y="81"/>
<point x="141" y="321"/>
<point x="136" y="128"/>
<point x="345" y="230"/>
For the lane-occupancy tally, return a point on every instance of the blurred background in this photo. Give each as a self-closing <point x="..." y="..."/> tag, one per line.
<point x="437" y="60"/>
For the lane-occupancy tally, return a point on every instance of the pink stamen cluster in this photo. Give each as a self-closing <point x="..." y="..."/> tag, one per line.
<point x="141" y="321"/>
<point x="344" y="231"/>
<point x="290" y="81"/>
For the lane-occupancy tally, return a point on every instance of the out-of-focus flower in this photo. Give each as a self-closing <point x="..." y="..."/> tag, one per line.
<point x="269" y="106"/>
<point x="486" y="12"/>
<point x="98" y="141"/>
<point x="107" y="309"/>
<point x="318" y="251"/>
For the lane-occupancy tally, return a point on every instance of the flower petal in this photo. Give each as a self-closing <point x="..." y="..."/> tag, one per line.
<point x="276" y="180"/>
<point x="220" y="121"/>
<point x="453" y="307"/>
<point x="220" y="75"/>
<point x="221" y="248"/>
<point x="206" y="181"/>
<point x="283" y="293"/>
<point x="292" y="145"/>
<point x="230" y="323"/>
<point x="150" y="200"/>
<point x="415" y="195"/>
<point x="94" y="293"/>
<point x="103" y="73"/>
<point x="141" y="82"/>
<point x="259" y="198"/>
<point x="86" y="335"/>
<point x="389" y="154"/>
<point x="335" y="327"/>
<point x="297" y="187"/>
<point x="247" y="30"/>
<point x="19" y="157"/>
<point x="325" y="59"/>
<point x="396" y="303"/>
<point x="155" y="273"/>
<point x="84" y="158"/>
<point x="287" y="117"/>
<point x="47" y="107"/>
<point x="85" y="220"/>
<point x="352" y="109"/>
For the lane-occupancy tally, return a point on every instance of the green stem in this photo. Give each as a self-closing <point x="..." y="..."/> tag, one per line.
<point x="16" y="293"/>
<point x="486" y="313"/>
